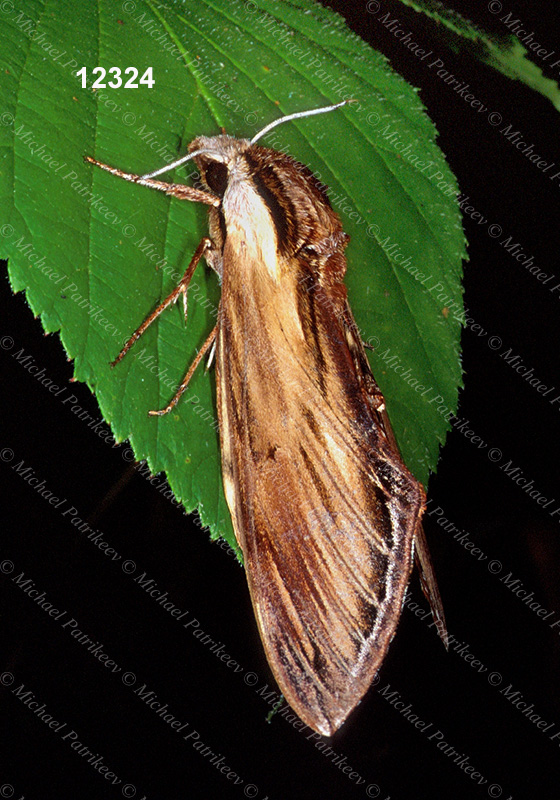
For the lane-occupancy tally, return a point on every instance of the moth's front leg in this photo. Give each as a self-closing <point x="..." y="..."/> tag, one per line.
<point x="174" y="189"/>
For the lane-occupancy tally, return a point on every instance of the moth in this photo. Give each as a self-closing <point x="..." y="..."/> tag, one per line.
<point x="323" y="507"/>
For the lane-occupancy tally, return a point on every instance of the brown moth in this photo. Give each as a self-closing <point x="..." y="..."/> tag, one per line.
<point x="323" y="507"/>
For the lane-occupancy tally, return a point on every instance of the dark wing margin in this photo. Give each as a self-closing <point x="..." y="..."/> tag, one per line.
<point x="423" y="559"/>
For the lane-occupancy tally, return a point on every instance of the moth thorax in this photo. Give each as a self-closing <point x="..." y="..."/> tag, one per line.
<point x="250" y="229"/>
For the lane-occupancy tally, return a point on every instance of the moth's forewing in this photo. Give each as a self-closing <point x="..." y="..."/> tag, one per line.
<point x="322" y="505"/>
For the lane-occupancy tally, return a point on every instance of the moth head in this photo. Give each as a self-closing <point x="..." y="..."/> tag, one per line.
<point x="214" y="156"/>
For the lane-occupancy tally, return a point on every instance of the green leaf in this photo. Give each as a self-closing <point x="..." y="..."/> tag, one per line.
<point x="95" y="254"/>
<point x="503" y="53"/>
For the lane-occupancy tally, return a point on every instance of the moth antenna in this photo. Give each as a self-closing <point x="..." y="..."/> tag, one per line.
<point x="269" y="127"/>
<point x="297" y="115"/>
<point x="173" y="165"/>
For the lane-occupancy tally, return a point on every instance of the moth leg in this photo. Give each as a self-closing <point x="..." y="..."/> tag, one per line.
<point x="174" y="189"/>
<point x="203" y="248"/>
<point x="429" y="583"/>
<point x="207" y="344"/>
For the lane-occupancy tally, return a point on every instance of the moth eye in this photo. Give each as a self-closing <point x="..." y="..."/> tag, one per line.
<point x="216" y="177"/>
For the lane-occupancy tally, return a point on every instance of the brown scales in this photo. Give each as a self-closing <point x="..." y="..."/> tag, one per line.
<point x="323" y="507"/>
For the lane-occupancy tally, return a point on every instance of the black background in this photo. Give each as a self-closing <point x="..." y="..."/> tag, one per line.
<point x="517" y="536"/>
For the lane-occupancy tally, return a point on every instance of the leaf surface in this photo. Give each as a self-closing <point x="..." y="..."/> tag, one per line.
<point x="95" y="254"/>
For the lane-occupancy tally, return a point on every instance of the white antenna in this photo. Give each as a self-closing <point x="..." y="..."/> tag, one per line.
<point x="297" y="115"/>
<point x="269" y="127"/>
<point x="173" y="165"/>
